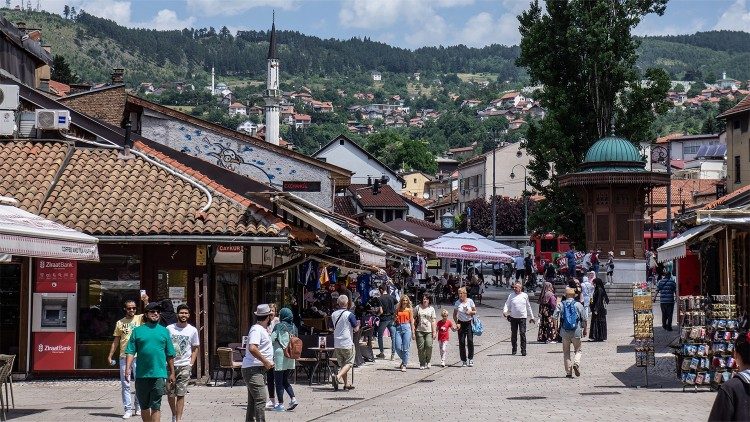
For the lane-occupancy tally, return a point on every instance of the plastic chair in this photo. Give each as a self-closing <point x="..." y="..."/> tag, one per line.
<point x="6" y="380"/>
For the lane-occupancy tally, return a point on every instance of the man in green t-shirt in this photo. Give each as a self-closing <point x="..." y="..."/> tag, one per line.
<point x="153" y="345"/>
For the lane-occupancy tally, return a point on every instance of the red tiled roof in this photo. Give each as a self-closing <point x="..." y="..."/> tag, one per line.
<point x="509" y="95"/>
<point x="742" y="106"/>
<point x="666" y="138"/>
<point x="342" y="205"/>
<point x="688" y="186"/>
<point x="423" y="223"/>
<point x="414" y="228"/>
<point x="303" y="117"/>
<point x="387" y="198"/>
<point x="59" y="88"/>
<point x="727" y="197"/>
<point x="99" y="193"/>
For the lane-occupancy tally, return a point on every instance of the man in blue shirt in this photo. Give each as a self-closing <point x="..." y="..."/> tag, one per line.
<point x="667" y="288"/>
<point x="570" y="255"/>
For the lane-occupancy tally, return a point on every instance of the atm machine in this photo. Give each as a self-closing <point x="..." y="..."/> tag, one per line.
<point x="53" y="319"/>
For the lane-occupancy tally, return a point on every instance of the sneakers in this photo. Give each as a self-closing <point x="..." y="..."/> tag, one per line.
<point x="279" y="408"/>
<point x="392" y="355"/>
<point x="403" y="368"/>
<point x="270" y="404"/>
<point x="293" y="404"/>
<point x="442" y="363"/>
<point x="577" y="371"/>
<point x="174" y="418"/>
<point x="127" y="414"/>
<point x="421" y="367"/>
<point x="463" y="363"/>
<point x="427" y="366"/>
<point x="380" y="356"/>
<point x="569" y="376"/>
<point x="137" y="412"/>
<point x="471" y="362"/>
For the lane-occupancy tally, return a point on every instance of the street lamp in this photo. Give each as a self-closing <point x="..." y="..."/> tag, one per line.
<point x="663" y="155"/>
<point x="525" y="198"/>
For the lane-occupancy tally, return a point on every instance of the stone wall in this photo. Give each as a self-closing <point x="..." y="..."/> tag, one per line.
<point x="265" y="166"/>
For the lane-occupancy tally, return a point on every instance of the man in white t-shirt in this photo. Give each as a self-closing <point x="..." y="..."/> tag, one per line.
<point x="344" y="325"/>
<point x="517" y="308"/>
<point x="257" y="361"/>
<point x="185" y="341"/>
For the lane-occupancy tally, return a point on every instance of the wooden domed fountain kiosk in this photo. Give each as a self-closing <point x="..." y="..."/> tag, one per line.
<point x="612" y="184"/>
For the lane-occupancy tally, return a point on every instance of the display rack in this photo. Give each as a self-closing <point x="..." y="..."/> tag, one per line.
<point x="643" y="327"/>
<point x="708" y="328"/>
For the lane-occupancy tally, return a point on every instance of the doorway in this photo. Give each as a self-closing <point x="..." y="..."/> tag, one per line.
<point x="10" y="309"/>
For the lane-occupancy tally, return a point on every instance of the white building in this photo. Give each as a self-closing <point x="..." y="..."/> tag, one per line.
<point x="345" y="153"/>
<point x="272" y="96"/>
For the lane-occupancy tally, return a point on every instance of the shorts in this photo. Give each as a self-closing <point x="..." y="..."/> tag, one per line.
<point x="182" y="376"/>
<point x="344" y="356"/>
<point x="149" y="392"/>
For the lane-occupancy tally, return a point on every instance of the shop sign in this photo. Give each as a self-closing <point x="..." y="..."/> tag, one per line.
<point x="300" y="186"/>
<point x="434" y="263"/>
<point x="229" y="254"/>
<point x="201" y="253"/>
<point x="56" y="275"/>
<point x="54" y="351"/>
<point x="469" y="248"/>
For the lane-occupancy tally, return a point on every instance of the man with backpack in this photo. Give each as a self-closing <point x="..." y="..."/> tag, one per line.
<point x="572" y="322"/>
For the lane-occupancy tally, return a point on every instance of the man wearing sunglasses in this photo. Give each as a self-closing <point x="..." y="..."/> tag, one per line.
<point x="153" y="345"/>
<point x="123" y="329"/>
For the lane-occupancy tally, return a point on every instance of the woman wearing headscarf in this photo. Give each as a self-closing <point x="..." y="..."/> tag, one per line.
<point x="282" y="365"/>
<point x="547" y="305"/>
<point x="598" y="330"/>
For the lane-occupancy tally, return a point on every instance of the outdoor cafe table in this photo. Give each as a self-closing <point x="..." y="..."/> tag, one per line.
<point x="324" y="356"/>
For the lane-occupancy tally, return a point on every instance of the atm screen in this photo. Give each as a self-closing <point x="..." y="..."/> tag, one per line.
<point x="52" y="315"/>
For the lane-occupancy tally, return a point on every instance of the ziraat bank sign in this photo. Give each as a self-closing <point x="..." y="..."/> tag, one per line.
<point x="54" y="351"/>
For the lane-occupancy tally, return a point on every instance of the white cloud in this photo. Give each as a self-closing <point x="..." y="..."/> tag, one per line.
<point x="736" y="17"/>
<point x="430" y="29"/>
<point x="233" y="7"/>
<point x="483" y="29"/>
<point x="118" y="11"/>
<point x="368" y="14"/>
<point x="167" y="19"/>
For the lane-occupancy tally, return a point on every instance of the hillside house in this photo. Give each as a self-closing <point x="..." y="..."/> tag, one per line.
<point x="321" y="106"/>
<point x="302" y="121"/>
<point x="237" y="109"/>
<point x="376" y="76"/>
<point x="414" y="184"/>
<point x="685" y="147"/>
<point x="462" y="153"/>
<point x="248" y="127"/>
<point x="509" y="99"/>
<point x="727" y="83"/>
<point x="470" y="103"/>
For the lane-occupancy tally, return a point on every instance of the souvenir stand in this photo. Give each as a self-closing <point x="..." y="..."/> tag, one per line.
<point x="643" y="327"/>
<point x="708" y="328"/>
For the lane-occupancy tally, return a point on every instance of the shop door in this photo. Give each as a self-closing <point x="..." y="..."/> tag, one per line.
<point x="10" y="309"/>
<point x="227" y="319"/>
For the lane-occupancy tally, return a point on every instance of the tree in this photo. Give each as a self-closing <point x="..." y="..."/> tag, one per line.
<point x="709" y="125"/>
<point x="61" y="71"/>
<point x="695" y="89"/>
<point x="73" y="13"/>
<point x="509" y="215"/>
<point x="584" y="55"/>
<point x="679" y="88"/>
<point x="66" y="11"/>
<point x="397" y="151"/>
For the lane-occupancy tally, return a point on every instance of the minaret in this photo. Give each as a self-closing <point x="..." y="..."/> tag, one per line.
<point x="213" y="81"/>
<point x="272" y="96"/>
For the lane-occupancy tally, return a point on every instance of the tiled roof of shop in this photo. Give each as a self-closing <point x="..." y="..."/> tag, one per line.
<point x="742" y="106"/>
<point x="99" y="193"/>
<point x="423" y="223"/>
<point x="342" y="205"/>
<point x="727" y="198"/>
<point x="387" y="198"/>
<point x="688" y="186"/>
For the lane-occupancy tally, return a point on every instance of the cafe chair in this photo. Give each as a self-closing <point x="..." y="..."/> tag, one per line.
<point x="309" y="359"/>
<point x="6" y="380"/>
<point x="227" y="363"/>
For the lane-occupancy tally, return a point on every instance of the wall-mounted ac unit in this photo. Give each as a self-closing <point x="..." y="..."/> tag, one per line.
<point x="7" y="122"/>
<point x="52" y="119"/>
<point x="8" y="97"/>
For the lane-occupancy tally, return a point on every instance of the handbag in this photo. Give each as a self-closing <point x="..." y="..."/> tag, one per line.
<point x="477" y="328"/>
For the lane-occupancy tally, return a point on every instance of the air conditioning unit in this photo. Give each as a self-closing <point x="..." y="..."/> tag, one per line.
<point x="7" y="122"/>
<point x="52" y="119"/>
<point x="8" y="97"/>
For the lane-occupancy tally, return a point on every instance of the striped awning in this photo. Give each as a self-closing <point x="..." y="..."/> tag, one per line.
<point x="677" y="247"/>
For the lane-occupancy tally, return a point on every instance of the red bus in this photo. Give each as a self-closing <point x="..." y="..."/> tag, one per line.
<point x="660" y="238"/>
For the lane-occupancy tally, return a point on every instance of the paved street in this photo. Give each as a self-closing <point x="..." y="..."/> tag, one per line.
<point x="499" y="387"/>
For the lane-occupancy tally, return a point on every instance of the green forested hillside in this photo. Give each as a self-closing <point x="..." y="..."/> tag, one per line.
<point x="93" y="46"/>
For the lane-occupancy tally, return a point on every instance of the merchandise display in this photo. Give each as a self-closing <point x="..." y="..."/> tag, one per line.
<point x="643" y="327"/>
<point x="707" y="332"/>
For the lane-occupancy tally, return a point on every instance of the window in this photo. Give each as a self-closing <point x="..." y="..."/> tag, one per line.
<point x="602" y="227"/>
<point x="548" y="245"/>
<point x="693" y="149"/>
<point x="341" y="142"/>
<point x="415" y="180"/>
<point x="103" y="287"/>
<point x="737" y="177"/>
<point x="743" y="125"/>
<point x="736" y="124"/>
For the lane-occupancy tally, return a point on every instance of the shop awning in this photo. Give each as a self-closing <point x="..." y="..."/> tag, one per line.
<point x="736" y="216"/>
<point x="369" y="254"/>
<point x="473" y="248"/>
<point x="27" y="234"/>
<point x="449" y="238"/>
<point x="677" y="247"/>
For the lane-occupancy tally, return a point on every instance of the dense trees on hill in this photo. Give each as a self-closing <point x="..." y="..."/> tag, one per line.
<point x="731" y="41"/>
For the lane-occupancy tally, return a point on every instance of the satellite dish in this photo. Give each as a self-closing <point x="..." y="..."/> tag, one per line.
<point x="426" y="195"/>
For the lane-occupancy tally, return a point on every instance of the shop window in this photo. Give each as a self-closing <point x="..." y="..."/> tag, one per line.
<point x="103" y="287"/>
<point x="172" y="284"/>
<point x="226" y="306"/>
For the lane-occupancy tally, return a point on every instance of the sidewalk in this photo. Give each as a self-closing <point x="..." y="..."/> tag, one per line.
<point x="500" y="387"/>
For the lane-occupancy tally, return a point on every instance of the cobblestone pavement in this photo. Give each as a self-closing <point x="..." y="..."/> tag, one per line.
<point x="500" y="387"/>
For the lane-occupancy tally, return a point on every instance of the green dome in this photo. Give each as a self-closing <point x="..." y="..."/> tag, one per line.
<point x="613" y="150"/>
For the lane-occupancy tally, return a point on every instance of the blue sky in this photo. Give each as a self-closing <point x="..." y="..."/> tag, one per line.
<point x="405" y="23"/>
